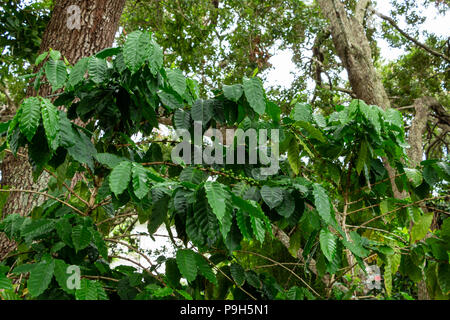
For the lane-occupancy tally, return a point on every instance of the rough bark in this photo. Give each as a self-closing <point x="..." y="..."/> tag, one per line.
<point x="98" y="24"/>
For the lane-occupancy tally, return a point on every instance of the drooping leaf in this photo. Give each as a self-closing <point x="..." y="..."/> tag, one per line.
<point x="140" y="178"/>
<point x="120" y="177"/>
<point x="50" y="119"/>
<point x="56" y="73"/>
<point x="177" y="80"/>
<point x="322" y="203"/>
<point x="30" y="116"/>
<point x="254" y="93"/>
<point x="421" y="227"/>
<point x="136" y="49"/>
<point x="98" y="70"/>
<point x="81" y="237"/>
<point x="238" y="273"/>
<point x="187" y="265"/>
<point x="40" y="277"/>
<point x="90" y="290"/>
<point x="202" y="111"/>
<point x="218" y="198"/>
<point x="294" y="156"/>
<point x="328" y="244"/>
<point x="78" y="71"/>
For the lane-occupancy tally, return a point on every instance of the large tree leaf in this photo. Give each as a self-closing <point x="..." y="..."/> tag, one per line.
<point x="421" y="227"/>
<point x="322" y="203"/>
<point x="120" y="177"/>
<point x="62" y="276"/>
<point x="218" y="198"/>
<point x="83" y="150"/>
<point x="272" y="196"/>
<point x="40" y="277"/>
<point x="187" y="264"/>
<point x="50" y="120"/>
<point x="328" y="244"/>
<point x="140" y="179"/>
<point x="254" y="93"/>
<point x="301" y="112"/>
<point x="177" y="80"/>
<point x="56" y="73"/>
<point x="30" y="116"/>
<point x="78" y="71"/>
<point x="136" y="49"/>
<point x="205" y="269"/>
<point x="5" y="283"/>
<point x="182" y="119"/>
<point x="81" y="237"/>
<point x="90" y="290"/>
<point x="414" y="176"/>
<point x="294" y="156"/>
<point x="98" y="70"/>
<point x="233" y="92"/>
<point x="159" y="212"/>
<point x="33" y="228"/>
<point x="238" y="273"/>
<point x="443" y="276"/>
<point x="156" y="58"/>
<point x="202" y="111"/>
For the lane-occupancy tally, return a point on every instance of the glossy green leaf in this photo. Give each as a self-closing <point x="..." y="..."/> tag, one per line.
<point x="30" y="116"/>
<point x="254" y="93"/>
<point x="120" y="177"/>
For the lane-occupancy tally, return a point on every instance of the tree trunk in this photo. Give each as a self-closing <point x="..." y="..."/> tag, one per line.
<point x="353" y="48"/>
<point x="77" y="29"/>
